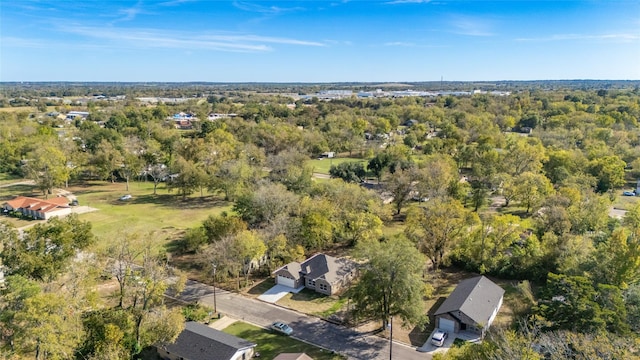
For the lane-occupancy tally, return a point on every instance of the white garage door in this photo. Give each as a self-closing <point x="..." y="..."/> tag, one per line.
<point x="446" y="325"/>
<point x="285" y="281"/>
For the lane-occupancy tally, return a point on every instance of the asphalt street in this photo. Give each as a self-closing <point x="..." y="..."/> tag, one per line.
<point x="343" y="340"/>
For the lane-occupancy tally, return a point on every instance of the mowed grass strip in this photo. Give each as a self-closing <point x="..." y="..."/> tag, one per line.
<point x="271" y="344"/>
<point x="322" y="166"/>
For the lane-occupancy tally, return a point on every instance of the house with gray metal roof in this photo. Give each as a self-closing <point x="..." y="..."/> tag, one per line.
<point x="200" y="342"/>
<point x="322" y="273"/>
<point x="472" y="306"/>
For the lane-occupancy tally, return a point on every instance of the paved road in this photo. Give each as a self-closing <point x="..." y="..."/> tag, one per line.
<point x="346" y="341"/>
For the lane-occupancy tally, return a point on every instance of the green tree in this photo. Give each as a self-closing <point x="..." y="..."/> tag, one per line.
<point x="45" y="250"/>
<point x="573" y="303"/>
<point x="265" y="205"/>
<point x="48" y="326"/>
<point x="47" y="166"/>
<point x="391" y="283"/>
<point x="353" y="172"/>
<point x="617" y="260"/>
<point x="437" y="226"/>
<point x="218" y="226"/>
<point x="189" y="177"/>
<point x="107" y="159"/>
<point x="532" y="189"/>
<point x="401" y="184"/>
<point x="609" y="170"/>
<point x="379" y="164"/>
<point x="251" y="250"/>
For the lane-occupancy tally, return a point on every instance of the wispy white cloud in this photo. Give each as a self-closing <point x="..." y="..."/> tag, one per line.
<point x="471" y="26"/>
<point x="128" y="14"/>
<point x="175" y="2"/>
<point x="153" y="38"/>
<point x="411" y="45"/>
<point x="400" y="43"/>
<point x="615" y="37"/>
<point x="267" y="10"/>
<point x="394" y="2"/>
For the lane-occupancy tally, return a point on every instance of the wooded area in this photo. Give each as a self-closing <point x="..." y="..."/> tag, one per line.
<point x="517" y="187"/>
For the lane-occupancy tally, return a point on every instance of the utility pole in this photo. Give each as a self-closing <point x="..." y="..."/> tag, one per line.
<point x="215" y="307"/>
<point x="390" y="337"/>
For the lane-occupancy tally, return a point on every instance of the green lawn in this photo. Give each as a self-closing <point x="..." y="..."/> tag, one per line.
<point x="322" y="166"/>
<point x="8" y="178"/>
<point x="626" y="202"/>
<point x="161" y="218"/>
<point x="270" y="344"/>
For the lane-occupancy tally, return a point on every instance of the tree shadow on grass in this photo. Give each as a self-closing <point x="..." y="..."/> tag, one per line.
<point x="10" y="192"/>
<point x="176" y="201"/>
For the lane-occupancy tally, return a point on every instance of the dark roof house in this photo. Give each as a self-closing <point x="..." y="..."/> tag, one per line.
<point x="472" y="306"/>
<point x="200" y="342"/>
<point x="322" y="273"/>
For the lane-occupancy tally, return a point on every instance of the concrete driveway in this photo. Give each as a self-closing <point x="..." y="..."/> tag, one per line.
<point x="278" y="292"/>
<point x="429" y="348"/>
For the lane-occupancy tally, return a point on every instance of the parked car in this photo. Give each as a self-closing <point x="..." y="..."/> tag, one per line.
<point x="281" y="328"/>
<point x="629" y="193"/>
<point x="439" y="337"/>
<point x="125" y="197"/>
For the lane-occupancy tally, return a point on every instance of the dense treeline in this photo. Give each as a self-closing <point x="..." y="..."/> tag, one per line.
<point x="515" y="186"/>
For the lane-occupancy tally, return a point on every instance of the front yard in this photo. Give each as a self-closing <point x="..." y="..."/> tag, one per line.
<point x="443" y="282"/>
<point x="270" y="344"/>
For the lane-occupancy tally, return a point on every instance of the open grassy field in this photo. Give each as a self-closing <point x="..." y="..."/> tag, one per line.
<point x="161" y="218"/>
<point x="322" y="166"/>
<point x="270" y="345"/>
<point x="8" y="179"/>
<point x="626" y="202"/>
<point x="29" y="109"/>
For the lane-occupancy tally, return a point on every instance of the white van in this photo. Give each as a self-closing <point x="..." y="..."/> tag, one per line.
<point x="438" y="337"/>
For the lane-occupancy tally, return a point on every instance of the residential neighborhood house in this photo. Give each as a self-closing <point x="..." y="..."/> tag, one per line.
<point x="322" y="273"/>
<point x="200" y="342"/>
<point x="472" y="306"/>
<point x="38" y="209"/>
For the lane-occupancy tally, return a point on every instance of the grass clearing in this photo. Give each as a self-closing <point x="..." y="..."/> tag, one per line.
<point x="29" y="109"/>
<point x="270" y="344"/>
<point x="626" y="202"/>
<point x="159" y="218"/>
<point x="322" y="166"/>
<point x="9" y="178"/>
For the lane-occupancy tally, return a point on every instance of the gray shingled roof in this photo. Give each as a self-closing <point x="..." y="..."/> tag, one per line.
<point x="476" y="297"/>
<point x="200" y="342"/>
<point x="329" y="268"/>
<point x="293" y="268"/>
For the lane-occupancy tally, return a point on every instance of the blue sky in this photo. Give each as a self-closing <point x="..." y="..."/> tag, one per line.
<point x="318" y="41"/>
